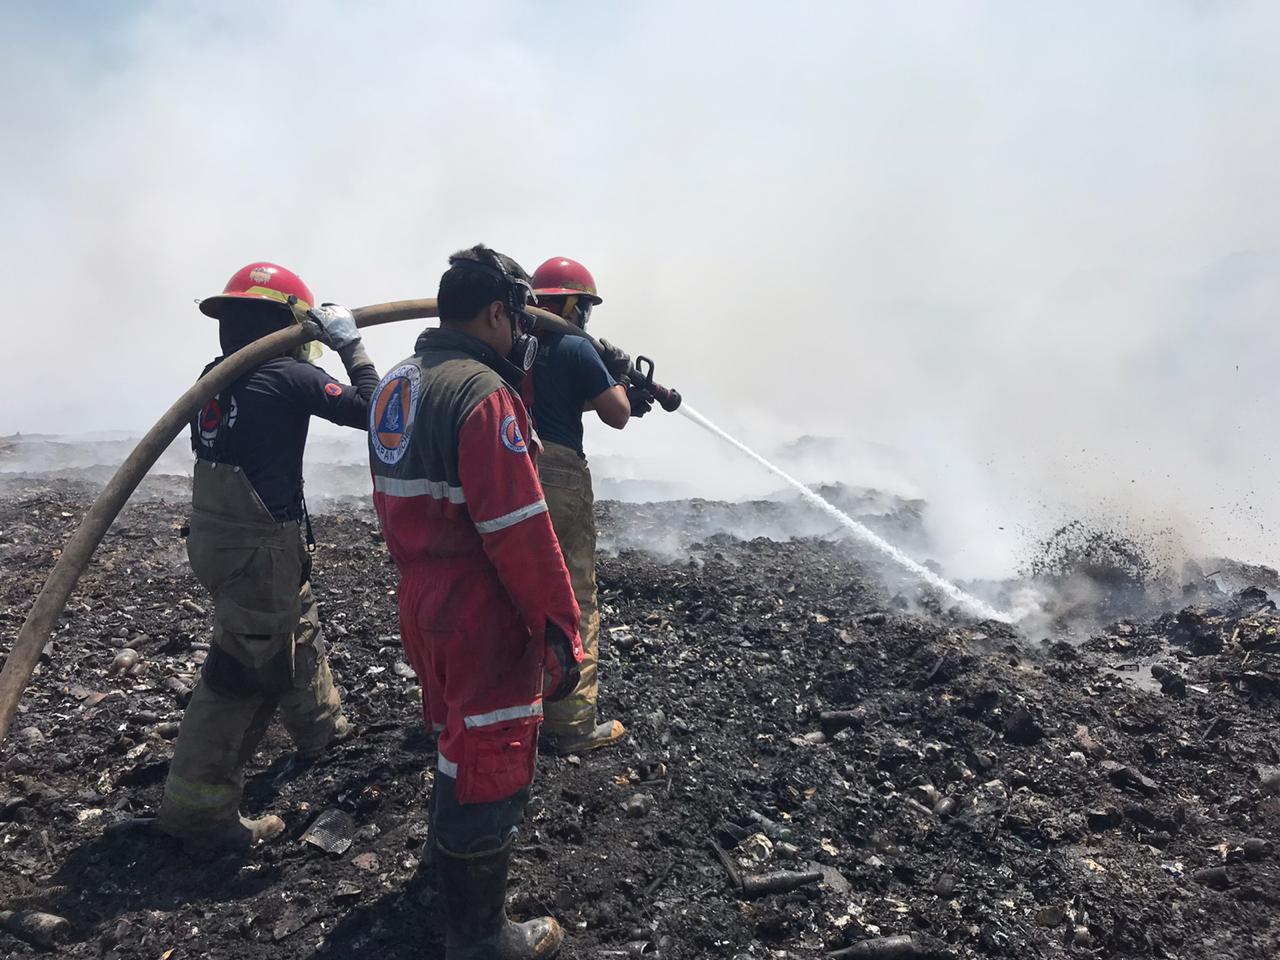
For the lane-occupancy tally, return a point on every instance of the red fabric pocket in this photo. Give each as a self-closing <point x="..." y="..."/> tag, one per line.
<point x="497" y="761"/>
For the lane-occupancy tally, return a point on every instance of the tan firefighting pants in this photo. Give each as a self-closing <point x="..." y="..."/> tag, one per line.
<point x="221" y="729"/>
<point x="566" y="484"/>
<point x="267" y="653"/>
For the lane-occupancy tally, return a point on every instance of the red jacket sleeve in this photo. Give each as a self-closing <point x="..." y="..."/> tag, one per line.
<point x="506" y="505"/>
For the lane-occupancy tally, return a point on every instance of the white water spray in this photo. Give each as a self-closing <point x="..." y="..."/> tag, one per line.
<point x="972" y="603"/>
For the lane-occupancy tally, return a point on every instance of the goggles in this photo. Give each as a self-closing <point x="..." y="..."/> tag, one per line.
<point x="577" y="310"/>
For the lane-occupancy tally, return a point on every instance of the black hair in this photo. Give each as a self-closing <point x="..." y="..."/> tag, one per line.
<point x="240" y="322"/>
<point x="465" y="291"/>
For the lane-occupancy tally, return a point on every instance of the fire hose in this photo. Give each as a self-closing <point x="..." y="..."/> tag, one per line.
<point x="52" y="600"/>
<point x="641" y="373"/>
<point x="77" y="552"/>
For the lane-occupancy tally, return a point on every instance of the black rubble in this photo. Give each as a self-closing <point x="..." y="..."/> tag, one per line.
<point x="922" y="784"/>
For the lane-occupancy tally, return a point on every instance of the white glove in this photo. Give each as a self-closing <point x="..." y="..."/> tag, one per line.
<point x="332" y="325"/>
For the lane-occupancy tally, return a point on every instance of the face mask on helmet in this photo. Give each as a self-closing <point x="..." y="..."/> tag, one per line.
<point x="577" y="310"/>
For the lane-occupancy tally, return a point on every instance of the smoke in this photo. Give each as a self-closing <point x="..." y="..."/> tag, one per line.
<point x="1027" y="253"/>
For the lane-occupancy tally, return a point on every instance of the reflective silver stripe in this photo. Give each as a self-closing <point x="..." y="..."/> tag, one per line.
<point x="438" y="489"/>
<point x="447" y="767"/>
<point x="512" y="518"/>
<point x="501" y="716"/>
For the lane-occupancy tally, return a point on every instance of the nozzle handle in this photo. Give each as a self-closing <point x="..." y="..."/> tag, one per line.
<point x="667" y="398"/>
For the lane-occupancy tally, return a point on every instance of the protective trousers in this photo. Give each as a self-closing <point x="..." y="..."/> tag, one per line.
<point x="481" y="680"/>
<point x="566" y="485"/>
<point x="267" y="653"/>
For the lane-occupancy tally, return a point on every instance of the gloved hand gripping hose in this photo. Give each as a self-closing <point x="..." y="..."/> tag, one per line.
<point x="640" y="375"/>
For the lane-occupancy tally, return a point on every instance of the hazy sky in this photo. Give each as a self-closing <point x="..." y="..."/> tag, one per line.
<point x="1033" y="247"/>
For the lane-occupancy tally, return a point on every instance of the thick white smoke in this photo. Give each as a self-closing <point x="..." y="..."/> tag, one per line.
<point x="1029" y="248"/>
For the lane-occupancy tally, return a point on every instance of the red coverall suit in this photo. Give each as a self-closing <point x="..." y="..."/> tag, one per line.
<point x="481" y="573"/>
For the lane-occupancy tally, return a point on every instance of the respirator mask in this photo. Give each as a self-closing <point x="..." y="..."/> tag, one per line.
<point x="524" y="345"/>
<point x="517" y="294"/>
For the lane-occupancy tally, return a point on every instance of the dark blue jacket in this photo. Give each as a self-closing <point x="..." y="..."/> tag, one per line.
<point x="260" y="423"/>
<point x="567" y="374"/>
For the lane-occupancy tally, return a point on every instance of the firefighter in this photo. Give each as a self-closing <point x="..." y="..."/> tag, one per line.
<point x="487" y="615"/>
<point x="568" y="378"/>
<point x="246" y="547"/>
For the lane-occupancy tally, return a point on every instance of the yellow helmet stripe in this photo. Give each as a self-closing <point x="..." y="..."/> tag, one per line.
<point x="277" y="295"/>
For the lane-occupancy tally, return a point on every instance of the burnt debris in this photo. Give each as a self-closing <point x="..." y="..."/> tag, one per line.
<point x="875" y="782"/>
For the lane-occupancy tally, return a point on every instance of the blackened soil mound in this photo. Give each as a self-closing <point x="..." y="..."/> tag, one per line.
<point x="945" y="779"/>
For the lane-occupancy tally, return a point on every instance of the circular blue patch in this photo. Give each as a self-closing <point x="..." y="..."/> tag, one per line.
<point x="511" y="436"/>
<point x="391" y="414"/>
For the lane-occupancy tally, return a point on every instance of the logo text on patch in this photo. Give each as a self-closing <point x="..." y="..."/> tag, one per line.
<point x="392" y="411"/>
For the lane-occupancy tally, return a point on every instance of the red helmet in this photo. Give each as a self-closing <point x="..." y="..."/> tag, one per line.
<point x="259" y="281"/>
<point x="562" y="277"/>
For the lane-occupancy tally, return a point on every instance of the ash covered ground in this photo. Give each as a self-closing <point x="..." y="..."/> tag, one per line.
<point x="988" y="792"/>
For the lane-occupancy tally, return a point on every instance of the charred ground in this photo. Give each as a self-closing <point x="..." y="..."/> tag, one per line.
<point x="991" y="794"/>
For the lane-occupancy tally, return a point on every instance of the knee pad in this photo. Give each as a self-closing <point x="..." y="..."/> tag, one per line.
<point x="231" y="678"/>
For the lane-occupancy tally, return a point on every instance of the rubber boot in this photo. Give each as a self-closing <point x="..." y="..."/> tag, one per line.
<point x="239" y="834"/>
<point x="604" y="734"/>
<point x="244" y="832"/>
<point x="427" y="861"/>
<point x="302" y="760"/>
<point x="343" y="729"/>
<point x="474" y="887"/>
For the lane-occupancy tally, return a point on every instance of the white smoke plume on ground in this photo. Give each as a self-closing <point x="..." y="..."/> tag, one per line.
<point x="1031" y="250"/>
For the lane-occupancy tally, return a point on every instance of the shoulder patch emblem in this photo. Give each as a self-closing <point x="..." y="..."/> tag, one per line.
<point x="333" y="389"/>
<point x="391" y="414"/>
<point x="512" y="439"/>
<point x="212" y="418"/>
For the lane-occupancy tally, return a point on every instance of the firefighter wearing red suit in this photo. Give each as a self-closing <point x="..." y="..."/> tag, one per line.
<point x="487" y="614"/>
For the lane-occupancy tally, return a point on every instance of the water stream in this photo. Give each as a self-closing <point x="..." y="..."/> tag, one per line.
<point x="964" y="599"/>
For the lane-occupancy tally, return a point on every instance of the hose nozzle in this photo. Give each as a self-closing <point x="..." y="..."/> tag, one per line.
<point x="642" y="376"/>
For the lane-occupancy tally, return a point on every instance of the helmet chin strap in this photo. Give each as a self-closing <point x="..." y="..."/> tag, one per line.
<point x="312" y="350"/>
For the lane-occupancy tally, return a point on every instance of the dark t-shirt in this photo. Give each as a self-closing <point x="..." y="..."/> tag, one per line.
<point x="260" y="423"/>
<point x="567" y="373"/>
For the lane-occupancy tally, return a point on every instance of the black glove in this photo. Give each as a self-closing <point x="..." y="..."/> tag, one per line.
<point x="616" y="360"/>
<point x="560" y="666"/>
<point x="641" y="400"/>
